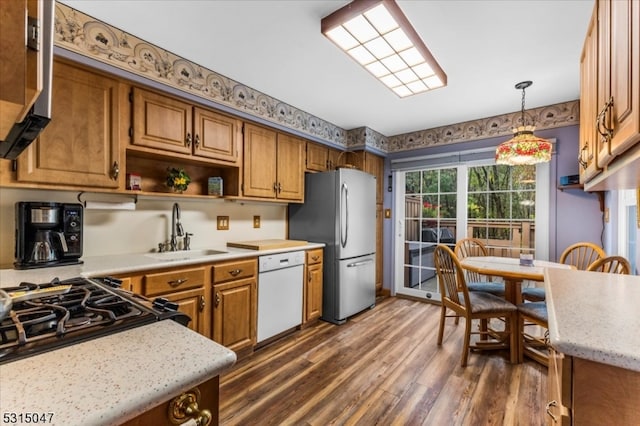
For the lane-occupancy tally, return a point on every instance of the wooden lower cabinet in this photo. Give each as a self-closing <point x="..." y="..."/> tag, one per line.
<point x="583" y="392"/>
<point x="312" y="291"/>
<point x="235" y="305"/>
<point x="184" y="286"/>
<point x="160" y="415"/>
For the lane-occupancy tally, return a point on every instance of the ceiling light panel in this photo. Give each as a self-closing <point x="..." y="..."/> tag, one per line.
<point x="380" y="38"/>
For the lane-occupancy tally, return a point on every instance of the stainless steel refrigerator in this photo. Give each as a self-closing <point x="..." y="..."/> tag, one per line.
<point x="340" y="211"/>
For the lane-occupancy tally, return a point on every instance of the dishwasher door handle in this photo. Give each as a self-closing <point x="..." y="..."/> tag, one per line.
<point x="362" y="262"/>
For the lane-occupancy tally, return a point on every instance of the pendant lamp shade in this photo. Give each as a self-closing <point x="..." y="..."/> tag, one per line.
<point x="524" y="148"/>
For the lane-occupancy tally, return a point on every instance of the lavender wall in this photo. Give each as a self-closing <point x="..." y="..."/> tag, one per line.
<point x="575" y="215"/>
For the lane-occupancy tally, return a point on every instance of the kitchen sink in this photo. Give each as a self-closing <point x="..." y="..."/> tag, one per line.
<point x="184" y="254"/>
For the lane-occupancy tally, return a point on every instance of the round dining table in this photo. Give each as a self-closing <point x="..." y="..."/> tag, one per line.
<point x="510" y="269"/>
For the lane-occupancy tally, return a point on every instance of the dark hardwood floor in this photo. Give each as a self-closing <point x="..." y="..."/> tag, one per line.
<point x="382" y="367"/>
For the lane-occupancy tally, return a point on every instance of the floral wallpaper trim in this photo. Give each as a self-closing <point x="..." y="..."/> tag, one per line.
<point x="548" y="117"/>
<point x="84" y="35"/>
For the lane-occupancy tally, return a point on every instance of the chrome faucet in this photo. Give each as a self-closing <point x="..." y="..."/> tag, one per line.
<point x="176" y="228"/>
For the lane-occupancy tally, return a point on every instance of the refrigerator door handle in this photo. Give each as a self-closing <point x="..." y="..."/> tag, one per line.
<point x="344" y="195"/>
<point x="362" y="262"/>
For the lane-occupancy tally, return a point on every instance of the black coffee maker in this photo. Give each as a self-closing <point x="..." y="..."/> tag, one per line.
<point x="48" y="234"/>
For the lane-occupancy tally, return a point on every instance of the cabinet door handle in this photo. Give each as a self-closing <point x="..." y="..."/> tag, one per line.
<point x="235" y="272"/>
<point x="275" y="187"/>
<point x="315" y="258"/>
<point x="202" y="303"/>
<point x="188" y="139"/>
<point x="581" y="159"/>
<point x="601" y="127"/>
<point x="115" y="171"/>
<point x="550" y="404"/>
<point x="179" y="281"/>
<point x="196" y="141"/>
<point x="309" y="276"/>
<point x="217" y="301"/>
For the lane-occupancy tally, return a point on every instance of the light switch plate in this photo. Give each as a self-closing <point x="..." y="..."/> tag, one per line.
<point x="223" y="223"/>
<point x="256" y="221"/>
<point x="387" y="213"/>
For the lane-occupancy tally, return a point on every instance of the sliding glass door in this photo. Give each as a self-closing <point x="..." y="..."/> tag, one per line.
<point x="441" y="205"/>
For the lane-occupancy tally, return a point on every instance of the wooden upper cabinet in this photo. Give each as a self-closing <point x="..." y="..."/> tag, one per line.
<point x="161" y="122"/>
<point x="618" y="105"/>
<point x="289" y="168"/>
<point x="216" y="135"/>
<point x="169" y="124"/>
<point x="20" y="81"/>
<point x="273" y="164"/>
<point x="80" y="146"/>
<point x="317" y="157"/>
<point x="260" y="147"/>
<point x="588" y="145"/>
<point x="321" y="158"/>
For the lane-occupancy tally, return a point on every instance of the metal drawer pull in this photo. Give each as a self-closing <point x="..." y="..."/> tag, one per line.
<point x="363" y="262"/>
<point x="179" y="281"/>
<point x="601" y="127"/>
<point x="217" y="302"/>
<point x="315" y="258"/>
<point x="184" y="410"/>
<point x="235" y="272"/>
<point x="550" y="404"/>
<point x="202" y="303"/>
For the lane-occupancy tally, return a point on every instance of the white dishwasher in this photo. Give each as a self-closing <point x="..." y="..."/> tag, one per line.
<point x="280" y="281"/>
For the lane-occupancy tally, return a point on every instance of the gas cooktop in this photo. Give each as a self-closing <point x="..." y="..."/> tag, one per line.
<point x="60" y="313"/>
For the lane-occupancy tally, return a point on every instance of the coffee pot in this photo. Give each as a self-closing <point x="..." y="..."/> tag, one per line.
<point x="43" y="248"/>
<point x="48" y="234"/>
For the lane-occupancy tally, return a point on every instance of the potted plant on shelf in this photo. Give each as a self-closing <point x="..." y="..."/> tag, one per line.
<point x="177" y="179"/>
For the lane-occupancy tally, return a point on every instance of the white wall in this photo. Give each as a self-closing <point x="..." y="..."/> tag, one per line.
<point x="121" y="231"/>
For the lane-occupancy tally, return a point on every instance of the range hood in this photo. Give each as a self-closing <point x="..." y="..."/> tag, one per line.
<point x="39" y="37"/>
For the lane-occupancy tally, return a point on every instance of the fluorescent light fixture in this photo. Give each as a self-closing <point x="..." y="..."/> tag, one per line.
<point x="379" y="37"/>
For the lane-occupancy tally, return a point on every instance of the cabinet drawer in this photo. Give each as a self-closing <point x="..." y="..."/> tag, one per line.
<point x="234" y="270"/>
<point x="167" y="282"/>
<point x="314" y="256"/>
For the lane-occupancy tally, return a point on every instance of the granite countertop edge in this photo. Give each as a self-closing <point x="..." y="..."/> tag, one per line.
<point x="133" y="376"/>
<point x="588" y="320"/>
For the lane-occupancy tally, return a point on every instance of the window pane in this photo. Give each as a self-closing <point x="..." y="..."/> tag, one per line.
<point x="448" y="178"/>
<point x="477" y="205"/>
<point x="448" y="206"/>
<point x="499" y="205"/>
<point x="430" y="181"/>
<point x="412" y="230"/>
<point x="412" y="183"/>
<point x="430" y="206"/>
<point x="477" y="179"/>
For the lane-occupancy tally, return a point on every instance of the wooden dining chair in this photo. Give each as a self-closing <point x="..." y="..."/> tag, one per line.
<point x="472" y="306"/>
<point x="612" y="265"/>
<point x="467" y="247"/>
<point x="533" y="328"/>
<point x="580" y="255"/>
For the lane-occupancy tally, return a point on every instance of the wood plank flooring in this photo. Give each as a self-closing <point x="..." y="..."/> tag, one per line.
<point x="382" y="367"/>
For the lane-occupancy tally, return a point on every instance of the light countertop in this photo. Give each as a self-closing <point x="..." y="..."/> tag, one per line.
<point x="594" y="316"/>
<point x="112" y="379"/>
<point x="95" y="266"/>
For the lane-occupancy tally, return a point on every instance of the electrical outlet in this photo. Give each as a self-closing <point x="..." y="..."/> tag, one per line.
<point x="223" y="223"/>
<point x="256" y="221"/>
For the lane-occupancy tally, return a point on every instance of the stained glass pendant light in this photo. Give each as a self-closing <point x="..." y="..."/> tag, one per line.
<point x="524" y="147"/>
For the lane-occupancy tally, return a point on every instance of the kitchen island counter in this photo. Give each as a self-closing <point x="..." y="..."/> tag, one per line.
<point x="594" y="316"/>
<point x="112" y="379"/>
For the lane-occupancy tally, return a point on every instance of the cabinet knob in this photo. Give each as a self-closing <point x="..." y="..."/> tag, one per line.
<point x="217" y="301"/>
<point x="196" y="141"/>
<point x="235" y="272"/>
<point x="202" y="303"/>
<point x="188" y="142"/>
